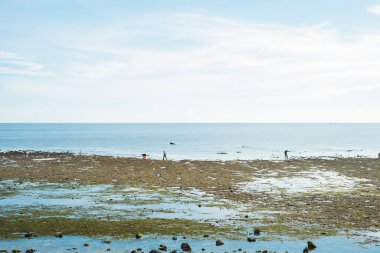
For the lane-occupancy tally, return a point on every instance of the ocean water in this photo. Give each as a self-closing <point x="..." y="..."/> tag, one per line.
<point x="197" y="141"/>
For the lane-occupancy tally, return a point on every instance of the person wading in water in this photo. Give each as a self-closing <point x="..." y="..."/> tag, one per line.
<point x="164" y="157"/>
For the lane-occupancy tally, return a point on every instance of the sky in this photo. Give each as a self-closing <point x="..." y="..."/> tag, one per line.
<point x="190" y="61"/>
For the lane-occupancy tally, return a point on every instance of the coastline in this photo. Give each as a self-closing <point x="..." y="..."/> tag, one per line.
<point x="280" y="198"/>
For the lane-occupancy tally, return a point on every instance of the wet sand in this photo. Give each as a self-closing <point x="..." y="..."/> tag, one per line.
<point x="350" y="199"/>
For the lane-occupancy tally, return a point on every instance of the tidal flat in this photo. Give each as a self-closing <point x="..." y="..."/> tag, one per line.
<point x="62" y="201"/>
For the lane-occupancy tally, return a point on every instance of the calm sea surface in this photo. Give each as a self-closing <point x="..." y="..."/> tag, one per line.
<point x="196" y="141"/>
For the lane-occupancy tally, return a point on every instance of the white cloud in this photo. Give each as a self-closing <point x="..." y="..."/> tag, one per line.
<point x="374" y="9"/>
<point x="13" y="64"/>
<point x="192" y="67"/>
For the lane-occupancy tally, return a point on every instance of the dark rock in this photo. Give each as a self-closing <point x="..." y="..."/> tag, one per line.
<point x="239" y="249"/>
<point x="311" y="245"/>
<point x="109" y="249"/>
<point x="173" y="251"/>
<point x="199" y="205"/>
<point x="246" y="216"/>
<point x="154" y="251"/>
<point x="265" y="251"/>
<point x="219" y="243"/>
<point x="174" y="238"/>
<point x="251" y="239"/>
<point x="59" y="235"/>
<point x="16" y="251"/>
<point x="138" y="235"/>
<point x="30" y="251"/>
<point x="139" y="249"/>
<point x="203" y="249"/>
<point x="305" y="250"/>
<point x="163" y="247"/>
<point x="86" y="244"/>
<point x="29" y="235"/>
<point x="256" y="231"/>
<point x="206" y="236"/>
<point x="133" y="251"/>
<point x="106" y="241"/>
<point x="185" y="247"/>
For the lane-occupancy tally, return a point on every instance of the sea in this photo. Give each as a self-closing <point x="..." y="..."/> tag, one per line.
<point x="196" y="141"/>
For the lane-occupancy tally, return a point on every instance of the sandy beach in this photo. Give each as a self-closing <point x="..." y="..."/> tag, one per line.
<point x="299" y="199"/>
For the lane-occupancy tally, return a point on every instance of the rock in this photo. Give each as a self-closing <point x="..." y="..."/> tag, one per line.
<point x="265" y="251"/>
<point x="185" y="247"/>
<point x="106" y="241"/>
<point x="199" y="205"/>
<point x="205" y="236"/>
<point x="3" y="251"/>
<point x="154" y="251"/>
<point x="256" y="231"/>
<point x="29" y="235"/>
<point x="174" y="238"/>
<point x="138" y="235"/>
<point x="16" y="251"/>
<point x="311" y="245"/>
<point x="305" y="250"/>
<point x="139" y="249"/>
<point x="203" y="249"/>
<point x="246" y="216"/>
<point x="133" y="251"/>
<point x="109" y="249"/>
<point x="219" y="243"/>
<point x="163" y="247"/>
<point x="30" y="251"/>
<point x="251" y="239"/>
<point x="59" y="235"/>
<point x="173" y="251"/>
<point x="86" y="244"/>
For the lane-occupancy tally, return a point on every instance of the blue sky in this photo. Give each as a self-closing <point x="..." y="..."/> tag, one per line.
<point x="190" y="61"/>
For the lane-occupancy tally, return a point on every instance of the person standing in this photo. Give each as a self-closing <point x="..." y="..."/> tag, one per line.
<point x="164" y="157"/>
<point x="286" y="154"/>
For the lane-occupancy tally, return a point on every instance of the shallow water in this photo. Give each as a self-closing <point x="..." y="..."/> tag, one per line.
<point x="68" y="243"/>
<point x="107" y="200"/>
<point x="196" y="141"/>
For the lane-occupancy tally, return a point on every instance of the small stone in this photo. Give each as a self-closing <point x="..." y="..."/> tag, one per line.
<point x="3" y="251"/>
<point x="163" y="247"/>
<point x="16" y="251"/>
<point x="185" y="247"/>
<point x="59" y="235"/>
<point x="30" y="251"/>
<point x="174" y="238"/>
<point x="109" y="249"/>
<point x="305" y="250"/>
<point x="173" y="251"/>
<point x="154" y="251"/>
<point x="138" y="235"/>
<point x="219" y="243"/>
<point x="206" y="236"/>
<point x="29" y="235"/>
<point x="86" y="244"/>
<point x="106" y="241"/>
<point x="246" y="216"/>
<point x="133" y="251"/>
<point x="256" y="231"/>
<point x="311" y="245"/>
<point x="251" y="239"/>
<point x="139" y="249"/>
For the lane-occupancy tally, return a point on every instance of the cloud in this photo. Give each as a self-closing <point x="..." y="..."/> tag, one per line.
<point x="374" y="9"/>
<point x="13" y="64"/>
<point x="188" y="67"/>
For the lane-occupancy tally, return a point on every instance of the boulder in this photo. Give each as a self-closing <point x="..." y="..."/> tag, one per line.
<point x="311" y="245"/>
<point x="256" y="231"/>
<point x="219" y="243"/>
<point x="138" y="235"/>
<point x="185" y="247"/>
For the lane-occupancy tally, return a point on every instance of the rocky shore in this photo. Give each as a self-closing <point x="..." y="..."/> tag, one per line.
<point x="303" y="198"/>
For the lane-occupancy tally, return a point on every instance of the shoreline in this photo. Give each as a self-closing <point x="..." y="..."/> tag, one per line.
<point x="298" y="198"/>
